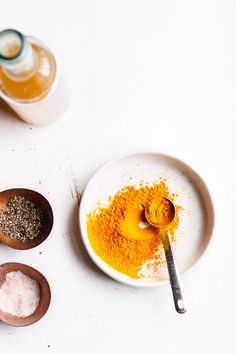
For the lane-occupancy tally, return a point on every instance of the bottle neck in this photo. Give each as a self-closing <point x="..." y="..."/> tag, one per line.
<point x="16" y="54"/>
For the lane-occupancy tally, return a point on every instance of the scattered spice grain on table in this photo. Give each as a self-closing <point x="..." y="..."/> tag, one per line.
<point x="120" y="234"/>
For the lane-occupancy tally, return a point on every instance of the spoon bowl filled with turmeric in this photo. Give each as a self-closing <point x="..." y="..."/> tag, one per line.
<point x="160" y="212"/>
<point x="120" y="199"/>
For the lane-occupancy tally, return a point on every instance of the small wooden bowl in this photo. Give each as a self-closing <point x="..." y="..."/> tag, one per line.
<point x="45" y="294"/>
<point x="37" y="199"/>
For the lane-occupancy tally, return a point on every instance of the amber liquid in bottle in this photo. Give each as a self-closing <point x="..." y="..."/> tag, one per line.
<point x="33" y="84"/>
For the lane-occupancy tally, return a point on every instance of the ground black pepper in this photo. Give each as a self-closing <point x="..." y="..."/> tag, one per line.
<point x="22" y="220"/>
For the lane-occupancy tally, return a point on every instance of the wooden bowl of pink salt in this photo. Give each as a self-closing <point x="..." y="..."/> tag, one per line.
<point x="24" y="294"/>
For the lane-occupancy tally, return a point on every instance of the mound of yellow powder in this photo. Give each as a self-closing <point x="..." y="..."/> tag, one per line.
<point x="120" y="234"/>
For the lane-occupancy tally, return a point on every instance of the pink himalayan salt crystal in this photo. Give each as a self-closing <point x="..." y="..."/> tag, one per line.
<point x="19" y="294"/>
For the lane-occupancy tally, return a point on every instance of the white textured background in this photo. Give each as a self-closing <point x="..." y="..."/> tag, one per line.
<point x="146" y="75"/>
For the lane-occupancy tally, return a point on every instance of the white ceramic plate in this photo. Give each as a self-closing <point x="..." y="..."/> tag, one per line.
<point x="197" y="219"/>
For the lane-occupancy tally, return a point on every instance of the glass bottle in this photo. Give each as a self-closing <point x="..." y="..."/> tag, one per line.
<point x="30" y="81"/>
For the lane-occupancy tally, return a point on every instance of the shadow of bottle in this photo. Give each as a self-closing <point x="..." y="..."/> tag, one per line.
<point x="7" y="113"/>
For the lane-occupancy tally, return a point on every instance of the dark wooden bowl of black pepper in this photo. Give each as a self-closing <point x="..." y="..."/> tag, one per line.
<point x="26" y="218"/>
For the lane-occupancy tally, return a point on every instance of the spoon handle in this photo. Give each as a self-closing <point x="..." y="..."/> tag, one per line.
<point x="173" y="274"/>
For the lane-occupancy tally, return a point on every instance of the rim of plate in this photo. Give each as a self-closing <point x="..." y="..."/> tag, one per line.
<point x="113" y="273"/>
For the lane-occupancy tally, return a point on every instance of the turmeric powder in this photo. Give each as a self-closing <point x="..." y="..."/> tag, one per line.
<point x="160" y="212"/>
<point x="120" y="234"/>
